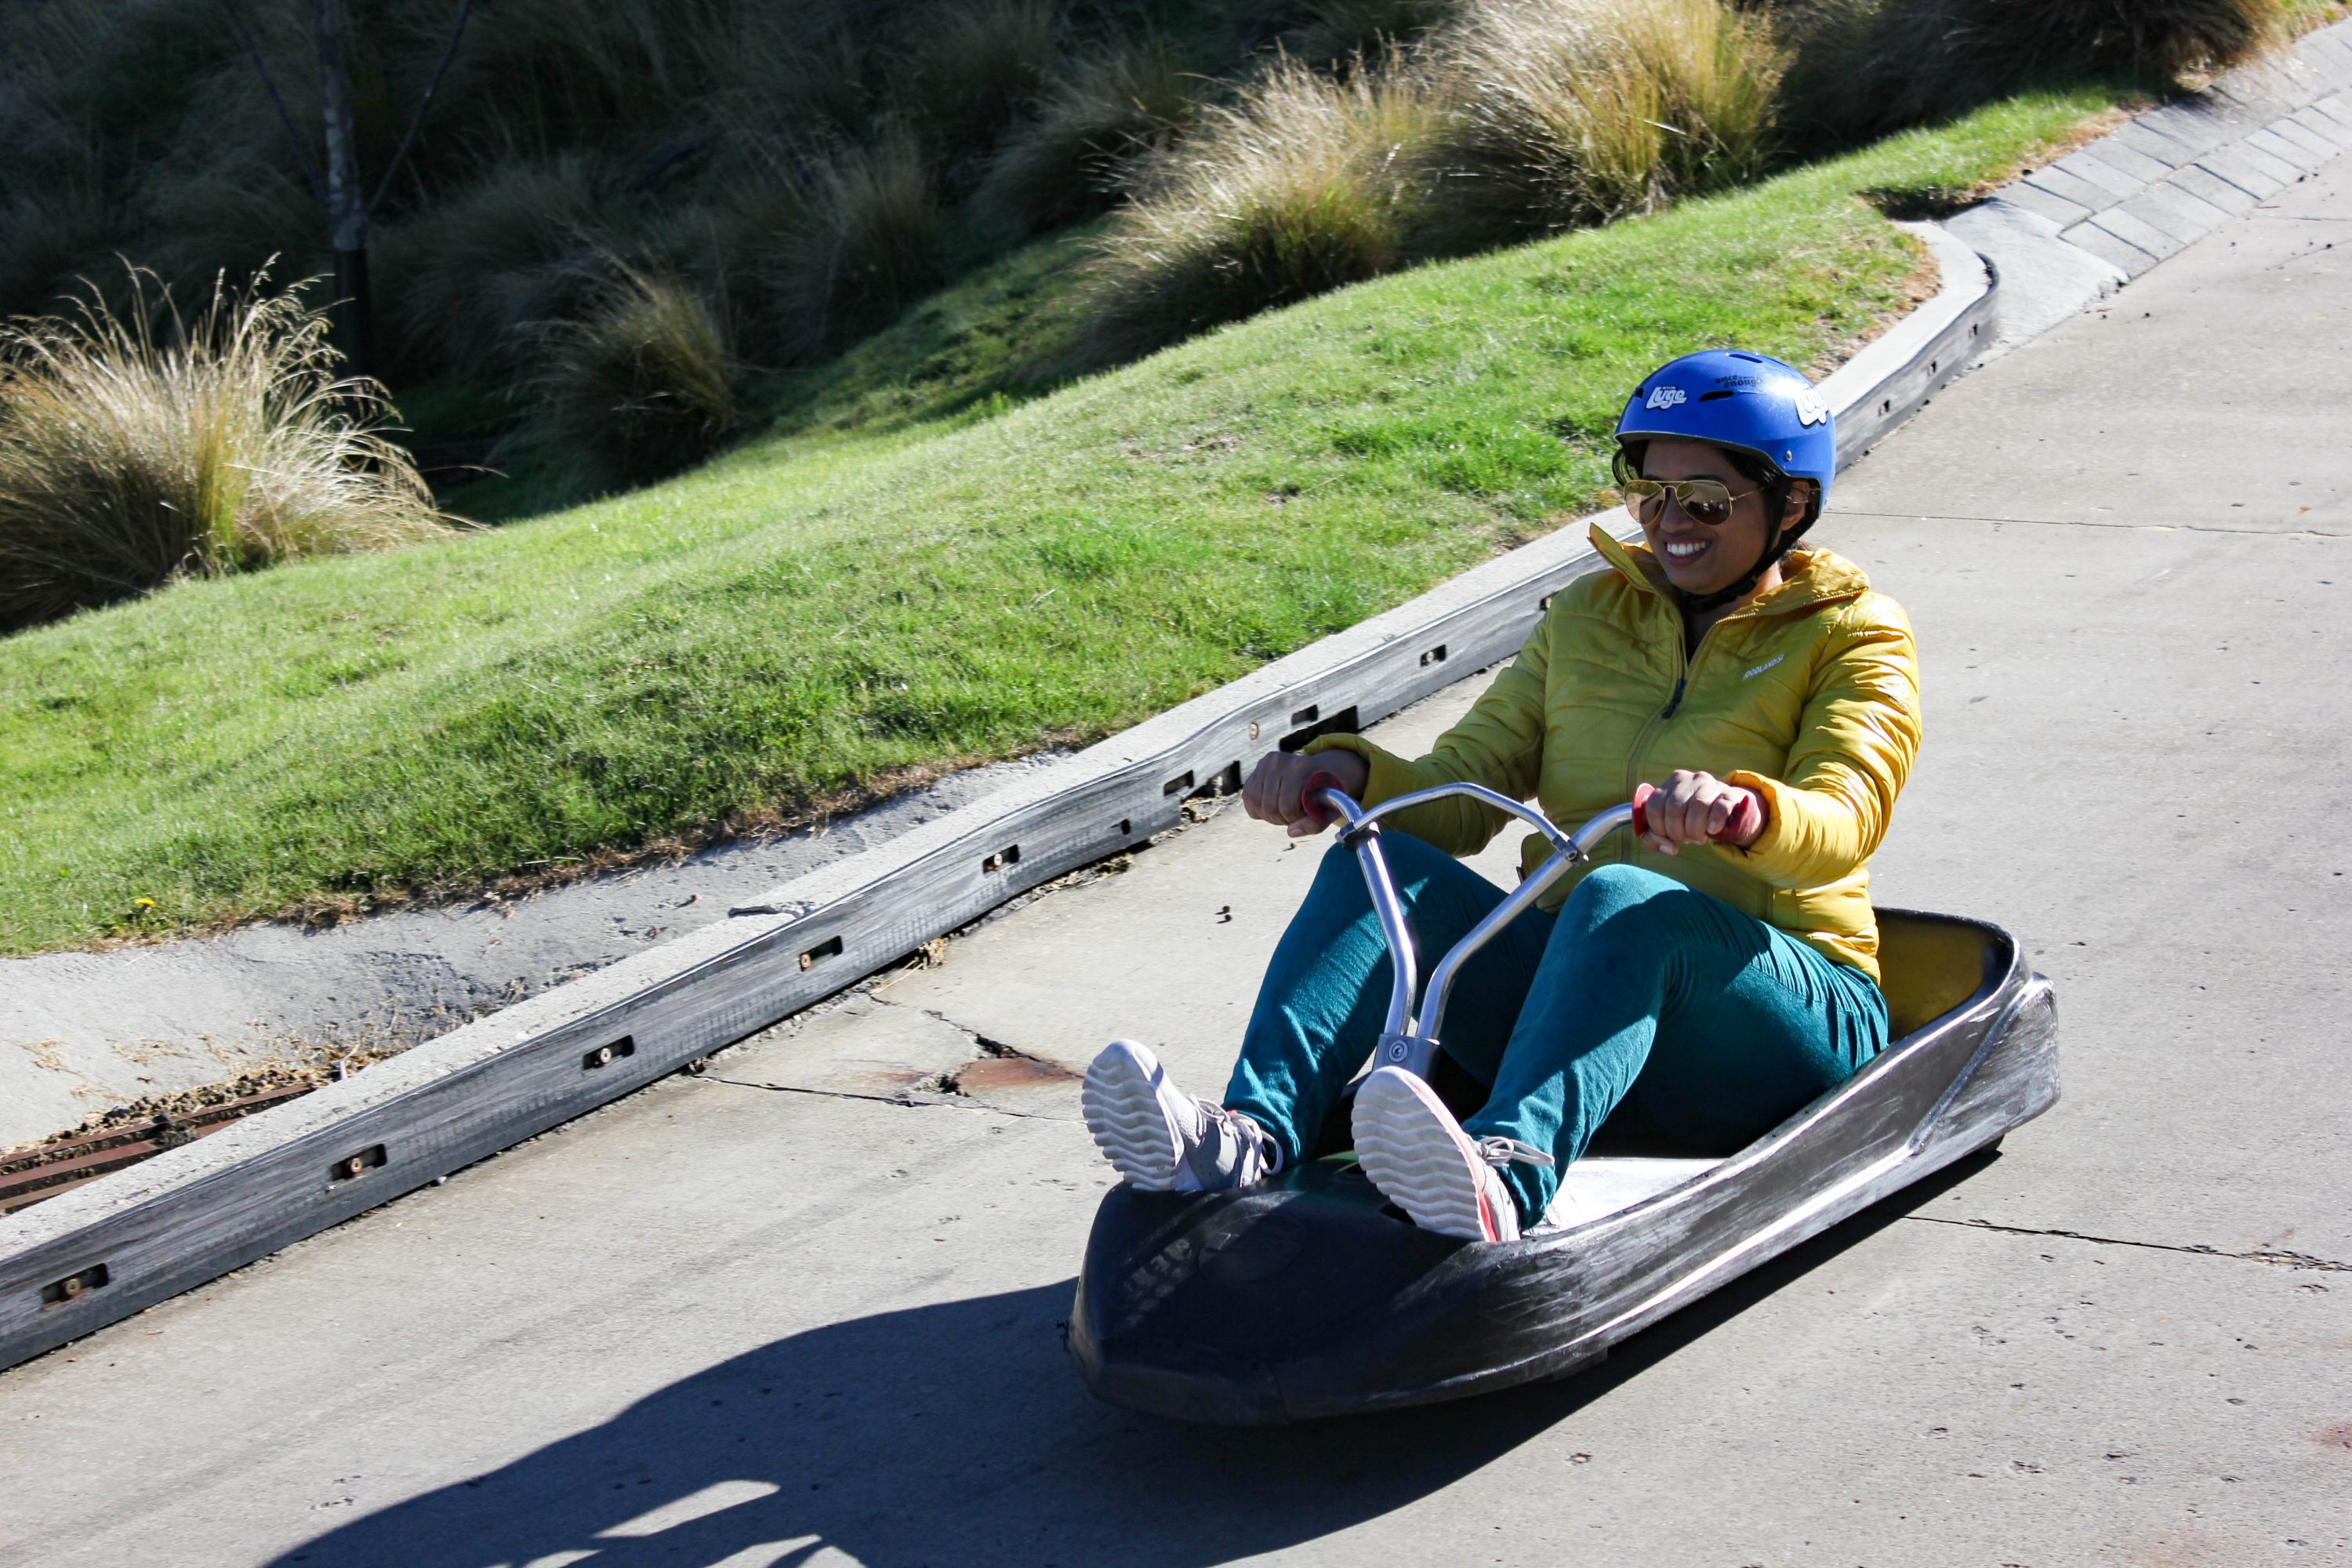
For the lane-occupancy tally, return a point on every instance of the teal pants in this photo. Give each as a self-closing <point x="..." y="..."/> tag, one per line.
<point x="1713" y="1023"/>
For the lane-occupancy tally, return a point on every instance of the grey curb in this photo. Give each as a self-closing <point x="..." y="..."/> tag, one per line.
<point x="2135" y="167"/>
<point x="2329" y="129"/>
<point x="2092" y="170"/>
<point x="2149" y="142"/>
<point x="2286" y="150"/>
<point x="2109" y="246"/>
<point x="2040" y="199"/>
<point x="2251" y="173"/>
<point x="2133" y="231"/>
<point x="2296" y="128"/>
<point x="2208" y="186"/>
<point x="2191" y="123"/>
<point x="2123" y="204"/>
<point x="2060" y="181"/>
<point x="2186" y="217"/>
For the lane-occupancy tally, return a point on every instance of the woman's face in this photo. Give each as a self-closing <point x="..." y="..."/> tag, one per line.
<point x="1697" y="558"/>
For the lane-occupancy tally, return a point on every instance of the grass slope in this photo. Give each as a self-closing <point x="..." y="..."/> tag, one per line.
<point x="829" y="606"/>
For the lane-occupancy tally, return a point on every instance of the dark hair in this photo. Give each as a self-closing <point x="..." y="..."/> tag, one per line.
<point x="1754" y="467"/>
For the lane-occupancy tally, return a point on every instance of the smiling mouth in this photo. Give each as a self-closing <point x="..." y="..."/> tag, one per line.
<point x="1680" y="550"/>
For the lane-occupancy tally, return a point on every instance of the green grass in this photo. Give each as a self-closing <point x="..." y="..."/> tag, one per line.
<point x="827" y="605"/>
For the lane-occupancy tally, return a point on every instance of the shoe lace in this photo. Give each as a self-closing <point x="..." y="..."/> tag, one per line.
<point x="1251" y="1135"/>
<point x="1511" y="1152"/>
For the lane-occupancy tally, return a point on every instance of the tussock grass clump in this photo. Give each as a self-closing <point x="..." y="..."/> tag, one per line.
<point x="641" y="387"/>
<point x="870" y="237"/>
<point x="1093" y="121"/>
<point x="1306" y="183"/>
<point x="224" y="443"/>
<point x="1519" y="116"/>
<point x="1571" y="112"/>
<point x="518" y="246"/>
<point x="1867" y="67"/>
<point x="970" y="66"/>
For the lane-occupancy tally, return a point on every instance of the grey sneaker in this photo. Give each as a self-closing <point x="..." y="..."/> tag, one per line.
<point x="1161" y="1138"/>
<point x="1421" y="1160"/>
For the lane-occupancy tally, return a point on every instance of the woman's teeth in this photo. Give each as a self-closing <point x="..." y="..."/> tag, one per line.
<point x="1683" y="552"/>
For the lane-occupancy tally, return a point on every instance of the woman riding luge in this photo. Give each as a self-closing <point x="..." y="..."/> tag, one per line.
<point x="1720" y="972"/>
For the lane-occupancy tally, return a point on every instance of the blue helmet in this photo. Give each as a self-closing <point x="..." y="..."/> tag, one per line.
<point x="1751" y="403"/>
<point x="1733" y="398"/>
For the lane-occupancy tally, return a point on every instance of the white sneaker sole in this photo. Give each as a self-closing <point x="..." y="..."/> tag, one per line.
<point x="1415" y="1153"/>
<point x="1129" y="1110"/>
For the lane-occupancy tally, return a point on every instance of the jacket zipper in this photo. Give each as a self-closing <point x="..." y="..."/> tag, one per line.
<point x="1684" y="664"/>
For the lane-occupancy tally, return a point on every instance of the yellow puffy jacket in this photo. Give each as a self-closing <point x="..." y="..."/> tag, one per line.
<point x="1810" y="696"/>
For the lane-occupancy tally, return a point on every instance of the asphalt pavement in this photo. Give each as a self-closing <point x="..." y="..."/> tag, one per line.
<point x="804" y="1309"/>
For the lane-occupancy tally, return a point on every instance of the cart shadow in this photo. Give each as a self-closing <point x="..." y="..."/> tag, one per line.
<point x="958" y="1433"/>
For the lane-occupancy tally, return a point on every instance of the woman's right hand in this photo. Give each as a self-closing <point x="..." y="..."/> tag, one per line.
<point x="1275" y="787"/>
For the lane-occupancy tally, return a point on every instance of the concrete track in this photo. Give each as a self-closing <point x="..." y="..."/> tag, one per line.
<point x="803" y="1309"/>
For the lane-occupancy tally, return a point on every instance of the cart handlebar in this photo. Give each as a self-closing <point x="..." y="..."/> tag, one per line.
<point x="1405" y="1042"/>
<point x="1326" y="801"/>
<point x="1319" y="795"/>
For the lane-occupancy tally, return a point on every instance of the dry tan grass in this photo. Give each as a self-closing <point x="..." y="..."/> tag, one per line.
<point x="141" y="446"/>
<point x="1092" y="122"/>
<point x="643" y="385"/>
<point x="1866" y="66"/>
<point x="1519" y="116"/>
<point x="1308" y="182"/>
<point x="1569" y="112"/>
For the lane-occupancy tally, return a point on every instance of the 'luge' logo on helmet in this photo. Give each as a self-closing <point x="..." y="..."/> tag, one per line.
<point x="1811" y="409"/>
<point x="1665" y="397"/>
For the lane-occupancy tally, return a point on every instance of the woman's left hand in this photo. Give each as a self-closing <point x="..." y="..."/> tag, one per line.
<point x="1693" y="808"/>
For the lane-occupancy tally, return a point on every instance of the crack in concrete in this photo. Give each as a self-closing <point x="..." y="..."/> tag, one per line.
<point x="980" y="1043"/>
<point x="2278" y="1257"/>
<point x="959" y="1102"/>
<point x="2080" y="522"/>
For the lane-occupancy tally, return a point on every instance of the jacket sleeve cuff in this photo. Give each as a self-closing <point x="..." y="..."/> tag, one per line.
<point x="1809" y="837"/>
<point x="1392" y="775"/>
<point x="1770" y="852"/>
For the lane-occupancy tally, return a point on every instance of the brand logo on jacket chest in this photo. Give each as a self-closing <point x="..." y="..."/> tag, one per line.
<point x="1763" y="667"/>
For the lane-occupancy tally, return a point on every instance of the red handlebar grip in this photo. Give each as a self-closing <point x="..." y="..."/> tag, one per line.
<point x="1747" y="817"/>
<point x="1746" y="821"/>
<point x="1316" y="783"/>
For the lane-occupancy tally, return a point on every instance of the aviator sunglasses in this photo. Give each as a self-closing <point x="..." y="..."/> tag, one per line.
<point x="1707" y="501"/>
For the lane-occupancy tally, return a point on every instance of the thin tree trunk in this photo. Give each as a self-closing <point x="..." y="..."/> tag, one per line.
<point x="347" y="208"/>
<point x="347" y="213"/>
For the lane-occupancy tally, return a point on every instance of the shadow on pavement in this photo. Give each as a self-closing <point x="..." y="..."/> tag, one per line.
<point x="958" y="1433"/>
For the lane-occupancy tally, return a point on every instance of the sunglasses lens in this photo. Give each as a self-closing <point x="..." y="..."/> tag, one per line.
<point x="1707" y="503"/>
<point x="1702" y="500"/>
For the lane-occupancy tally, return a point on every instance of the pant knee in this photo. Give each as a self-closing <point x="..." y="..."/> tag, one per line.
<point x="1414" y="865"/>
<point x="1339" y="880"/>
<point x="1611" y="898"/>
